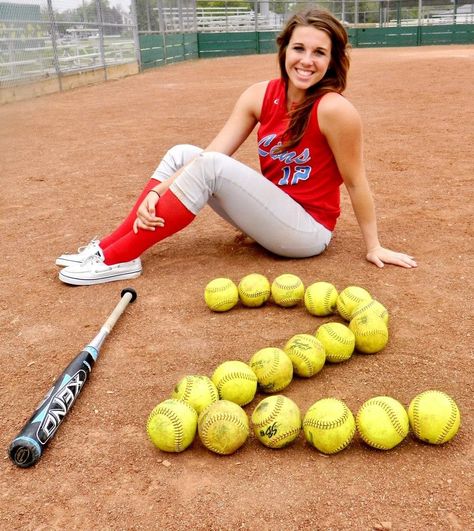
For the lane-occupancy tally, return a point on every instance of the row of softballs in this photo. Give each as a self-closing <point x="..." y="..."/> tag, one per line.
<point x="328" y="425"/>
<point x="367" y="317"/>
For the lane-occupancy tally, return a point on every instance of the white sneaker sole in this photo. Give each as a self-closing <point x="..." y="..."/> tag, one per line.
<point x="113" y="276"/>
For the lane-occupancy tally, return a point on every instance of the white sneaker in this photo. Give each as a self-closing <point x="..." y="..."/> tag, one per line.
<point x="83" y="252"/>
<point x="94" y="271"/>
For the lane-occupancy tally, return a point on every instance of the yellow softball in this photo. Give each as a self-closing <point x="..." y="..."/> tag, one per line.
<point x="434" y="417"/>
<point x="221" y="294"/>
<point x="371" y="306"/>
<point x="320" y="298"/>
<point x="254" y="290"/>
<point x="329" y="425"/>
<point x="382" y="422"/>
<point x="349" y="298"/>
<point x="276" y="421"/>
<point x="172" y="424"/>
<point x="273" y="369"/>
<point x="197" y="391"/>
<point x="338" y="341"/>
<point x="306" y="353"/>
<point x="371" y="333"/>
<point x="287" y="290"/>
<point x="223" y="427"/>
<point x="235" y="381"/>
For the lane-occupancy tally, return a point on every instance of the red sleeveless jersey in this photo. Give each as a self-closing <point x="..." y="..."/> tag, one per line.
<point x="308" y="172"/>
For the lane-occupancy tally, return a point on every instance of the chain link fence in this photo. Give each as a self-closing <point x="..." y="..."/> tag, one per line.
<point x="44" y="38"/>
<point x="168" y="16"/>
<point x="51" y="39"/>
<point x="176" y="30"/>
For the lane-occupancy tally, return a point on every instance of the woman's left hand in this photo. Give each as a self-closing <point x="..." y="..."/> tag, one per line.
<point x="146" y="214"/>
<point x="381" y="256"/>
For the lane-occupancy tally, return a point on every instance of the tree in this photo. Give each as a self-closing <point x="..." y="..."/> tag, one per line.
<point x="88" y="12"/>
<point x="147" y="15"/>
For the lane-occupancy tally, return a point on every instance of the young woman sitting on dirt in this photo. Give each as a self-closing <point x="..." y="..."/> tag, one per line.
<point x="309" y="143"/>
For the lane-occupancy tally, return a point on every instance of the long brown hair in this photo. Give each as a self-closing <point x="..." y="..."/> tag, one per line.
<point x="335" y="78"/>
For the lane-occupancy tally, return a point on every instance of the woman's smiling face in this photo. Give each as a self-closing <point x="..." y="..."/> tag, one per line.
<point x="307" y="59"/>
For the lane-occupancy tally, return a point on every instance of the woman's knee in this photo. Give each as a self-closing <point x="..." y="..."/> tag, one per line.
<point x="214" y="167"/>
<point x="183" y="153"/>
<point x="214" y="157"/>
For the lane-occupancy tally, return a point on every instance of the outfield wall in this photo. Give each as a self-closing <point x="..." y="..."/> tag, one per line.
<point x="411" y="35"/>
<point x="157" y="50"/>
<point x="163" y="49"/>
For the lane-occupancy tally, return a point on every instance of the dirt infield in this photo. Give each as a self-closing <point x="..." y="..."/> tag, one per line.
<point x="72" y="163"/>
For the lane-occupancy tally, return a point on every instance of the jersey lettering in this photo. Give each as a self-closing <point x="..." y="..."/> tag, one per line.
<point x="288" y="157"/>
<point x="300" y="173"/>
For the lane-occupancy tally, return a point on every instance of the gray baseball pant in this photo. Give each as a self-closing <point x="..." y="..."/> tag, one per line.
<point x="244" y="198"/>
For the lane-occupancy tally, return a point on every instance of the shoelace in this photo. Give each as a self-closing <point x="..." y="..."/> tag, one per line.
<point x="95" y="258"/>
<point x="92" y="243"/>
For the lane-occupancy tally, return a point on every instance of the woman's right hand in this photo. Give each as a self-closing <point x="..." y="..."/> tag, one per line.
<point x="146" y="214"/>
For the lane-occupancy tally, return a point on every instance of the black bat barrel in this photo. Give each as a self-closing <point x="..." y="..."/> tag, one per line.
<point x="27" y="447"/>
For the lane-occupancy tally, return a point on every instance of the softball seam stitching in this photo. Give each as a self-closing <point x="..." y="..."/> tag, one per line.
<point x="328" y="425"/>
<point x="235" y="375"/>
<point x="334" y="335"/>
<point x="392" y="415"/>
<point x="416" y="416"/>
<point x="178" y="431"/>
<point x="215" y="418"/>
<point x="273" y="414"/>
<point x="273" y="441"/>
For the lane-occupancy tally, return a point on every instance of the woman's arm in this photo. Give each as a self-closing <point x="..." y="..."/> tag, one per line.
<point x="341" y="125"/>
<point x="233" y="134"/>
<point x="241" y="122"/>
<point x="239" y="125"/>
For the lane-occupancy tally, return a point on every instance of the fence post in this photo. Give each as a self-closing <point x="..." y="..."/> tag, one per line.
<point x="255" y="9"/>
<point x="161" y="17"/>
<point x="54" y="33"/>
<point x="420" y="12"/>
<point x="136" y="39"/>
<point x="148" y="20"/>
<point x="101" y="37"/>
<point x="180" y="15"/>
<point x="357" y="31"/>
<point x="257" y="36"/>
<point x="162" y="20"/>
<point x="195" y="26"/>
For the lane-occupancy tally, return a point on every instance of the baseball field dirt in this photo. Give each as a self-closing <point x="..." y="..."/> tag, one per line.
<point x="72" y="164"/>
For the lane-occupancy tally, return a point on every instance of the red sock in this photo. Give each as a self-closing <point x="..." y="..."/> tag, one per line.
<point x="131" y="245"/>
<point x="127" y="223"/>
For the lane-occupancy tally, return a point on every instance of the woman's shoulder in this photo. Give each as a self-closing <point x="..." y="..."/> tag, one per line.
<point x="253" y="97"/>
<point x="334" y="108"/>
<point x="336" y="104"/>
<point x="257" y="89"/>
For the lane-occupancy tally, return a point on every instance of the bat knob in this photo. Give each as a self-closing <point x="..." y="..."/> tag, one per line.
<point x="131" y="291"/>
<point x="24" y="452"/>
